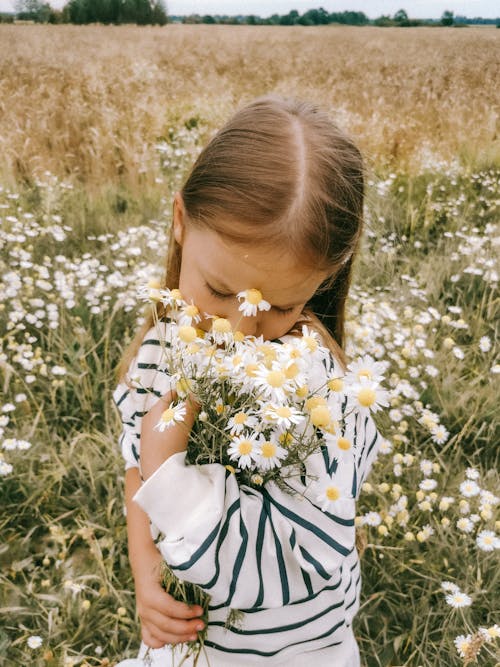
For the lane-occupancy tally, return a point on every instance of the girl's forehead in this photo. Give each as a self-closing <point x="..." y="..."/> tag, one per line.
<point x="272" y="269"/>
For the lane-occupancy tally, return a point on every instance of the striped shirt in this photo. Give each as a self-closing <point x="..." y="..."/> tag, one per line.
<point x="292" y="568"/>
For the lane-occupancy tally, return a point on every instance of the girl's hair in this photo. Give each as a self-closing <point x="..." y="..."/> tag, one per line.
<point x="281" y="174"/>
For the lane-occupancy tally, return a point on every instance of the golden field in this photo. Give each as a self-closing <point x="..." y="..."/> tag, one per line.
<point x="90" y="101"/>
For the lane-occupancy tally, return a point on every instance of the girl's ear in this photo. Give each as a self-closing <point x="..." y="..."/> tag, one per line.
<point x="178" y="218"/>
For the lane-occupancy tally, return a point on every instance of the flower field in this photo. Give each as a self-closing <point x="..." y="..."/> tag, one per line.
<point x="88" y="168"/>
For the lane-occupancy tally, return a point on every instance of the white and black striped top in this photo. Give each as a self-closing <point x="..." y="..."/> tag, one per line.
<point x="292" y="568"/>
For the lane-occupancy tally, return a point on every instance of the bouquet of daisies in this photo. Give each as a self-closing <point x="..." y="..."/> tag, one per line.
<point x="263" y="410"/>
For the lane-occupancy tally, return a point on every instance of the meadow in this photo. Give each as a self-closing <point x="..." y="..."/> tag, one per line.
<point x="98" y="127"/>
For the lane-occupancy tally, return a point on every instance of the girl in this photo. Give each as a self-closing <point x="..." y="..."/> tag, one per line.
<point x="273" y="202"/>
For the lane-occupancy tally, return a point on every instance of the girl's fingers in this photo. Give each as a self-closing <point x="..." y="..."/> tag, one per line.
<point x="157" y="639"/>
<point x="160" y="623"/>
<point x="169" y="606"/>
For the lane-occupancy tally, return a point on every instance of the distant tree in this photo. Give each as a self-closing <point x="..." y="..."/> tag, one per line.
<point x="142" y="12"/>
<point x="400" y="16"/>
<point x="208" y="19"/>
<point x="447" y="18"/>
<point x="383" y="21"/>
<point x="33" y="10"/>
<point x="292" y="18"/>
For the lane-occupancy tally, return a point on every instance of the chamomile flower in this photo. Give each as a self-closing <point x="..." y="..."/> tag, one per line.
<point x="469" y="488"/>
<point x="284" y="415"/>
<point x="450" y="587"/>
<point x="174" y="414"/>
<point x="465" y="525"/>
<point x="221" y="331"/>
<point x="428" y="484"/>
<point x="34" y="641"/>
<point x="462" y="644"/>
<point x="245" y="449"/>
<point x="472" y="473"/>
<point x="273" y="383"/>
<point x="457" y="599"/>
<point x="151" y="291"/>
<point x="367" y="396"/>
<point x="485" y="343"/>
<point x="188" y="315"/>
<point x="239" y="421"/>
<point x="487" y="540"/>
<point x="491" y="633"/>
<point x="271" y="455"/>
<point x="366" y="367"/>
<point x="340" y="445"/>
<point x="252" y="301"/>
<point x="334" y="496"/>
<point x="439" y="434"/>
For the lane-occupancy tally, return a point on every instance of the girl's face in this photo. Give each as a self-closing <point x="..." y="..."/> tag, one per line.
<point x="214" y="270"/>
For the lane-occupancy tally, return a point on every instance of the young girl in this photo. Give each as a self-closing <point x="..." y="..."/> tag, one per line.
<point x="273" y="202"/>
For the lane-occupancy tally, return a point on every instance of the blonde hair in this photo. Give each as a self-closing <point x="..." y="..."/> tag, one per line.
<point x="278" y="172"/>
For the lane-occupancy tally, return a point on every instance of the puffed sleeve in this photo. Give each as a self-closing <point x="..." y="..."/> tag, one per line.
<point x="251" y="547"/>
<point x="149" y="379"/>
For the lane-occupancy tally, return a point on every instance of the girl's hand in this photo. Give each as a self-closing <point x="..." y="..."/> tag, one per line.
<point x="164" y="620"/>
<point x="157" y="446"/>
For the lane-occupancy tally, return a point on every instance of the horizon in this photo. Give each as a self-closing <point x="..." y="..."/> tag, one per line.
<point x="421" y="9"/>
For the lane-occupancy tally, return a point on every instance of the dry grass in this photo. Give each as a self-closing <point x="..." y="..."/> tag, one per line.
<point x="89" y="102"/>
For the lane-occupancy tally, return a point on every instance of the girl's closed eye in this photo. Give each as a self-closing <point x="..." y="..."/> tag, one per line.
<point x="284" y="311"/>
<point x="215" y="293"/>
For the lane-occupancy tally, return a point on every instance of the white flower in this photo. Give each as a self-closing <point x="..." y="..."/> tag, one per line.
<point x="487" y="540"/>
<point x="251" y="302"/>
<point x="34" y="641"/>
<point x="5" y="468"/>
<point x="458" y="599"/>
<point x="172" y="415"/>
<point x="428" y="484"/>
<point x="270" y="455"/>
<point x="372" y="519"/>
<point x="284" y="415"/>
<point x="469" y="488"/>
<point x="439" y="434"/>
<point x="462" y="643"/>
<point x="472" y="473"/>
<point x="366" y="367"/>
<point x="465" y="525"/>
<point x="334" y="496"/>
<point x="458" y="353"/>
<point x="491" y="633"/>
<point x="245" y="449"/>
<point x="367" y="396"/>
<point x="188" y="315"/>
<point x="426" y="467"/>
<point x="237" y="422"/>
<point x="485" y="344"/>
<point x="273" y="383"/>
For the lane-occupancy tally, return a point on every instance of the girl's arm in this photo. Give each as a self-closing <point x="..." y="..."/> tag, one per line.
<point x="163" y="619"/>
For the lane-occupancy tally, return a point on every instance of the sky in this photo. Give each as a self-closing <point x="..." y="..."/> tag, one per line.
<point x="372" y="8"/>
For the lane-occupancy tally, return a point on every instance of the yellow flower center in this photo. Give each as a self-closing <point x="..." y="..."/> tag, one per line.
<point x="364" y="373"/>
<point x="168" y="415"/>
<point x="366" y="397"/>
<point x="221" y="325"/>
<point x="332" y="493"/>
<point x="187" y="334"/>
<point x="253" y="296"/>
<point x="250" y="370"/>
<point x="236" y="360"/>
<point x="154" y="283"/>
<point x="283" y="411"/>
<point x="311" y="343"/>
<point x="302" y="391"/>
<point x="292" y="371"/>
<point x="314" y="401"/>
<point x="276" y="379"/>
<point x="268" y="450"/>
<point x="191" y="311"/>
<point x="336" y="384"/>
<point x="175" y="294"/>
<point x="245" y="447"/>
<point x="268" y="352"/>
<point x="344" y="444"/>
<point x="240" y="418"/>
<point x="320" y="415"/>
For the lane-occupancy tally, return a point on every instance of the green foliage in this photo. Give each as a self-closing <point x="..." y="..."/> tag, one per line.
<point x="142" y="12"/>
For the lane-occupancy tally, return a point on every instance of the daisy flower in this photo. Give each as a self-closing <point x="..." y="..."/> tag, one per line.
<point x="334" y="496"/>
<point x="487" y="540"/>
<point x="151" y="291"/>
<point x="491" y="633"/>
<point x="34" y="641"/>
<point x="465" y="525"/>
<point x="469" y="488"/>
<point x="462" y="644"/>
<point x="271" y="455"/>
<point x="172" y="415"/>
<point x="221" y="331"/>
<point x="485" y="344"/>
<point x="252" y="301"/>
<point x="427" y="484"/>
<point x="274" y="383"/>
<point x="472" y="473"/>
<point x="189" y="315"/>
<point x="237" y="422"/>
<point x="284" y="416"/>
<point x="367" y="396"/>
<point x="245" y="449"/>
<point x="372" y="519"/>
<point x="341" y="445"/>
<point x="366" y="367"/>
<point x="439" y="434"/>
<point x="457" y="599"/>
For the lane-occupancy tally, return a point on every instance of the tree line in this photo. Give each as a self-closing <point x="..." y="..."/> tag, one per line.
<point x="153" y="12"/>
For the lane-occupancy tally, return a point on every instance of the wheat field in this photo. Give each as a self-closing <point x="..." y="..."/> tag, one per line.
<point x="98" y="127"/>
